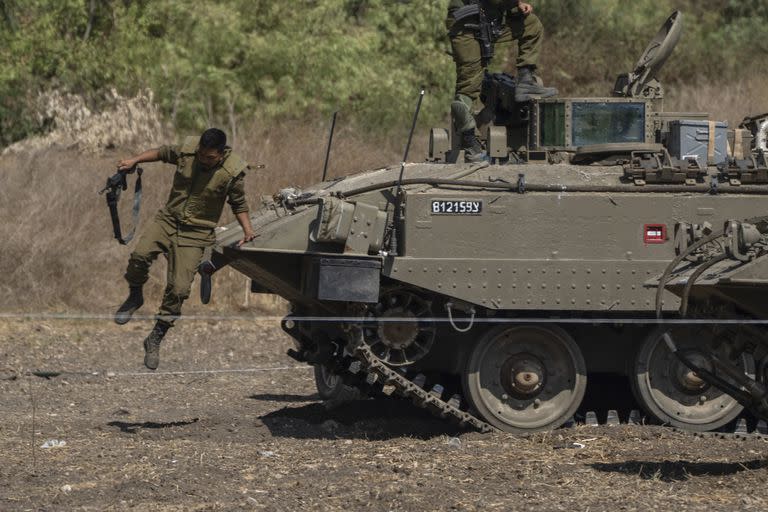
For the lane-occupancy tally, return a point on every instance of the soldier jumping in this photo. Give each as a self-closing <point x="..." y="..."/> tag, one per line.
<point x="207" y="174"/>
<point x="476" y="28"/>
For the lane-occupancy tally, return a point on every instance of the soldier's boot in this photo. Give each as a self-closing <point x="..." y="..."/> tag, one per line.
<point x="528" y="86"/>
<point x="473" y="150"/>
<point x="152" y="345"/>
<point x="134" y="301"/>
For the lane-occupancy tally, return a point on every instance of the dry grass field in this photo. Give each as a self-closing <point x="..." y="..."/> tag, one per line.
<point x="57" y="247"/>
<point x="58" y="253"/>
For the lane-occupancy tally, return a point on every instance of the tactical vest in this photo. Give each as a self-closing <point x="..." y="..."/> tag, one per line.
<point x="197" y="196"/>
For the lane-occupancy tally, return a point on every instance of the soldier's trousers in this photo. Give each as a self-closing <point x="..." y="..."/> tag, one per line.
<point x="526" y="31"/>
<point x="183" y="254"/>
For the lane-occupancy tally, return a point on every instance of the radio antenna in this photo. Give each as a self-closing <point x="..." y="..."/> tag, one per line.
<point x="330" y="141"/>
<point x="398" y="193"/>
<point x="410" y="138"/>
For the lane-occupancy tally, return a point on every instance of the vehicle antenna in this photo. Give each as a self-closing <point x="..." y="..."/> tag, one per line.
<point x="330" y="141"/>
<point x="393" y="237"/>
<point x="410" y="138"/>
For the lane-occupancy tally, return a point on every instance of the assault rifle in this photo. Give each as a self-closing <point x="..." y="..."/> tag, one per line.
<point x="487" y="31"/>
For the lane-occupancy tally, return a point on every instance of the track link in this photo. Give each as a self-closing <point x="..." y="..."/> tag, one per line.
<point x="386" y="380"/>
<point x="373" y="377"/>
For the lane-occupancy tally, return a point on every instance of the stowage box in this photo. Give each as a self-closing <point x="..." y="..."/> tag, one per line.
<point x="347" y="279"/>
<point x="688" y="138"/>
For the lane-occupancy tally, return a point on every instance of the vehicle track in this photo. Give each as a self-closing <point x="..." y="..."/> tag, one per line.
<point x="368" y="373"/>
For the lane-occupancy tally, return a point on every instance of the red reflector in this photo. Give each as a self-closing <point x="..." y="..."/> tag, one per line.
<point x="655" y="233"/>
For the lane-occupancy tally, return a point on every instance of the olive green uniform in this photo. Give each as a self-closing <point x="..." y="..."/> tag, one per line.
<point x="526" y="31"/>
<point x="184" y="228"/>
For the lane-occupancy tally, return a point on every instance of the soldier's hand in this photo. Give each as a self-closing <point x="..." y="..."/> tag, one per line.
<point x="126" y="165"/>
<point x="247" y="237"/>
<point x="526" y="8"/>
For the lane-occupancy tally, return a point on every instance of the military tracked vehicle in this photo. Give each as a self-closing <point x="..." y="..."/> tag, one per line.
<point x="490" y="293"/>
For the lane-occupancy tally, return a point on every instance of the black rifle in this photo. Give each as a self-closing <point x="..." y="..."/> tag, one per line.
<point x="487" y="31"/>
<point x="114" y="187"/>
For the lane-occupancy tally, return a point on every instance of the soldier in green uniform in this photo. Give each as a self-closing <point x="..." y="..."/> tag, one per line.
<point x="207" y="174"/>
<point x="507" y="22"/>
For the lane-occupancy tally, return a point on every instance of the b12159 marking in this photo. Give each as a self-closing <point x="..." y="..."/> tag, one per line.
<point x="443" y="207"/>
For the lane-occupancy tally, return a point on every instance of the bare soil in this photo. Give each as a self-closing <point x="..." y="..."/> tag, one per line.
<point x="261" y="439"/>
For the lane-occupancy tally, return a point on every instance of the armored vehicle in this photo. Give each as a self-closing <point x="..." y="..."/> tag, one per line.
<point x="490" y="293"/>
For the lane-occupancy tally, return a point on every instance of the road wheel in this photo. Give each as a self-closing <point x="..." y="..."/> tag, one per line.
<point x="671" y="392"/>
<point x="525" y="378"/>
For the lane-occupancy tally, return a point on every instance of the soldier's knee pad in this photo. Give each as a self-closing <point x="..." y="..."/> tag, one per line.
<point x="466" y="100"/>
<point x="461" y="113"/>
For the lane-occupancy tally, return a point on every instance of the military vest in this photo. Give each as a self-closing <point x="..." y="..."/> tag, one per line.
<point x="197" y="195"/>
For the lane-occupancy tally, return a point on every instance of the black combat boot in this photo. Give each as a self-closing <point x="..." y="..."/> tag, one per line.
<point x="529" y="88"/>
<point x="152" y="345"/>
<point x="134" y="301"/>
<point x="473" y="150"/>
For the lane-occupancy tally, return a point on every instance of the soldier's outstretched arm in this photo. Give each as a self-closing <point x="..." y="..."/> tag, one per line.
<point x="245" y="222"/>
<point x="151" y="155"/>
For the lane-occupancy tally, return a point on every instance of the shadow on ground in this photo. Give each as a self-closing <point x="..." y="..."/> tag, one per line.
<point x="677" y="471"/>
<point x="379" y="419"/>
<point x="269" y="397"/>
<point x="132" y="428"/>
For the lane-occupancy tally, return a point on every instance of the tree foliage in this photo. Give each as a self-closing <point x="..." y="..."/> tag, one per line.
<point x="221" y="61"/>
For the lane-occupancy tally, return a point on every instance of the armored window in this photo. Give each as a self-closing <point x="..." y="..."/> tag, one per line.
<point x="552" y="124"/>
<point x="608" y="123"/>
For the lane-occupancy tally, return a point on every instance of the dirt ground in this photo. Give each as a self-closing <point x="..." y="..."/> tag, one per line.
<point x="261" y="440"/>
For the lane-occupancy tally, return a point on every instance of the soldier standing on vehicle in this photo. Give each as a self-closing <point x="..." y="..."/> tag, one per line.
<point x="476" y="28"/>
<point x="207" y="174"/>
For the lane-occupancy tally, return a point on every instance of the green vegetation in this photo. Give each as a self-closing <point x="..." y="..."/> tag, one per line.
<point x="226" y="60"/>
